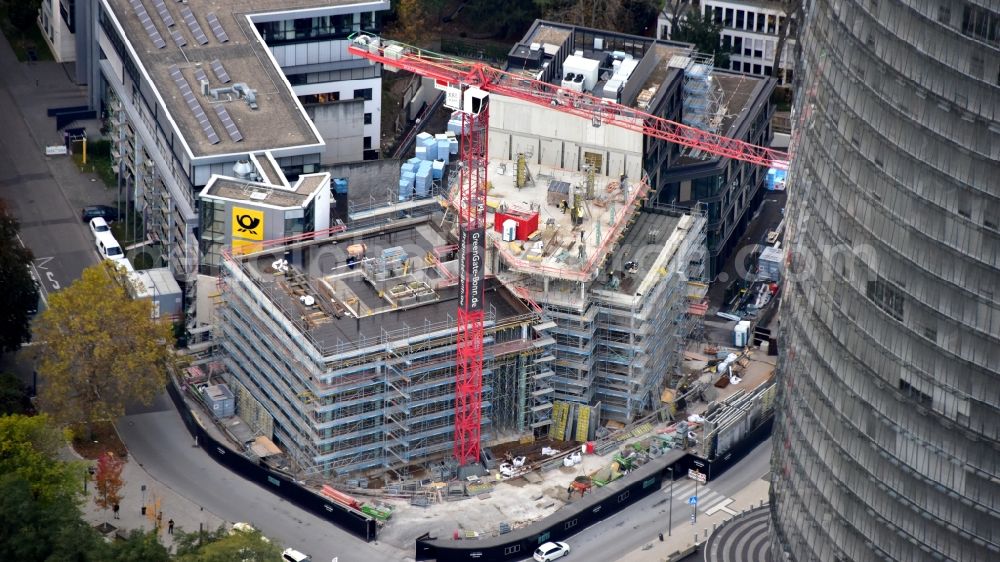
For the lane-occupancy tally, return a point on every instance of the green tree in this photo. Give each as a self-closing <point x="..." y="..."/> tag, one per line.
<point x="102" y="349"/>
<point x="29" y="446"/>
<point x="23" y="13"/>
<point x="13" y="395"/>
<point x="188" y="543"/>
<point x="701" y="30"/>
<point x="35" y="528"/>
<point x="40" y="516"/>
<point x="138" y="546"/>
<point x="18" y="292"/>
<point x="242" y="546"/>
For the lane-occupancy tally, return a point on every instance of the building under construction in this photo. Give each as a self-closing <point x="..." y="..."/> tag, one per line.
<point x="342" y="350"/>
<point x="615" y="276"/>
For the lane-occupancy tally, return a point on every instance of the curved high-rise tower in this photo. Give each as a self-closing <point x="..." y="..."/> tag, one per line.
<point x="887" y="442"/>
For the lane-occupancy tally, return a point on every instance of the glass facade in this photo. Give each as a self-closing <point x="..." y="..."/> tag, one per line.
<point x="888" y="429"/>
<point x="318" y="29"/>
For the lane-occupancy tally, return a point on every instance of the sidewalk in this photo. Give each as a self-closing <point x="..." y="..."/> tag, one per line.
<point x="158" y="498"/>
<point x="36" y="87"/>
<point x="685" y="536"/>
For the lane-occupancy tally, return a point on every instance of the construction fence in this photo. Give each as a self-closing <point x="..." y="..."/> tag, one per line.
<point x="354" y="522"/>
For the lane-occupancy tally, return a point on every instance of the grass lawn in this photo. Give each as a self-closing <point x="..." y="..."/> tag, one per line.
<point x="23" y="39"/>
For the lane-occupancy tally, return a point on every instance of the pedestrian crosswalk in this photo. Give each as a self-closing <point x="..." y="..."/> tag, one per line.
<point x="709" y="501"/>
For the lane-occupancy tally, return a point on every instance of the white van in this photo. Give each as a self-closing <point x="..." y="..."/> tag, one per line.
<point x="108" y="247"/>
<point x="292" y="555"/>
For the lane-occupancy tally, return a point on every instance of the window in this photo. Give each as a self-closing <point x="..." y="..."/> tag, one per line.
<point x="367" y="143"/>
<point x="756" y="69"/>
<point x="368" y="118"/>
<point x="365" y="93"/>
<point x="886" y="296"/>
<point x="739" y="19"/>
<point x="944" y="13"/>
<point x="319" y="99"/>
<point x="737" y="44"/>
<point x="981" y="23"/>
<point x="921" y="398"/>
<point x="977" y="65"/>
<point x="728" y="19"/>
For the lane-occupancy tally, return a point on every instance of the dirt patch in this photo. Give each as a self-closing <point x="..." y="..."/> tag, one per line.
<point x="103" y="438"/>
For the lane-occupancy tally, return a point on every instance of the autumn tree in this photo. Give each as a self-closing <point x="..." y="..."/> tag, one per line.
<point x="18" y="292"/>
<point x="102" y="349"/>
<point x="415" y="20"/>
<point x="108" y="481"/>
<point x="626" y="16"/>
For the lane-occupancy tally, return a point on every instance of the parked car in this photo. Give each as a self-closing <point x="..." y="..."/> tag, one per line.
<point x="108" y="247"/>
<point x="292" y="555"/>
<point x="551" y="551"/>
<point x="98" y="225"/>
<point x="104" y="211"/>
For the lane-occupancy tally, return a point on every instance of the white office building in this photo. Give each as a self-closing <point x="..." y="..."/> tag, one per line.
<point x="750" y="30"/>
<point x="189" y="89"/>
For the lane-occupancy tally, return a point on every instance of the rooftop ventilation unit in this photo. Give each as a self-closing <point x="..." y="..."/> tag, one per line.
<point x="243" y="169"/>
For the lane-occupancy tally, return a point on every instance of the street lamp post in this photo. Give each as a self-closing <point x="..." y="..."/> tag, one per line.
<point x="670" y="518"/>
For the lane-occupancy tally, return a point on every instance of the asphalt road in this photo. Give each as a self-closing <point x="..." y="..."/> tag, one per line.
<point x="157" y="439"/>
<point x="639" y="524"/>
<point x="46" y="194"/>
<point x="50" y="225"/>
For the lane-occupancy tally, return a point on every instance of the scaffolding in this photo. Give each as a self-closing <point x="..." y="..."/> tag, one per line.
<point x="618" y="340"/>
<point x="703" y="107"/>
<point x="376" y="402"/>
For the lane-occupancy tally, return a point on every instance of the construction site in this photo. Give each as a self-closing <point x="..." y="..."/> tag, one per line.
<point x="341" y="350"/>
<point x="530" y="334"/>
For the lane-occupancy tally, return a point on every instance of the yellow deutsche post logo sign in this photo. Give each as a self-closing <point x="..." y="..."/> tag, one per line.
<point x="248" y="224"/>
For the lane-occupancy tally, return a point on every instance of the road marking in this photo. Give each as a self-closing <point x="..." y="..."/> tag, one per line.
<point x="43" y="292"/>
<point x="720" y="505"/>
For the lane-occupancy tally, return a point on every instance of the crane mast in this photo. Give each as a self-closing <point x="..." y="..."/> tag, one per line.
<point x="467" y="86"/>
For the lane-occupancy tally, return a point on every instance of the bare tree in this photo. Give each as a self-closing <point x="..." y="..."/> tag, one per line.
<point x="786" y="31"/>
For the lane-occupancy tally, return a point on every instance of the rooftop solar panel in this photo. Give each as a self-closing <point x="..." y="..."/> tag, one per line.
<point x="220" y="71"/>
<point x="227" y="122"/>
<point x="217" y="29"/>
<point x="147" y="24"/>
<point x="200" y="75"/>
<point x="194" y="105"/>
<point x="179" y="39"/>
<point x="193" y="25"/>
<point x="161" y="8"/>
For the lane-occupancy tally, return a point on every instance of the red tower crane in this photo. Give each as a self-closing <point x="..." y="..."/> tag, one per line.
<point x="467" y="86"/>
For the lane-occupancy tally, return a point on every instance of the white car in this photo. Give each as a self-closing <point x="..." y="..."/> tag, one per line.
<point x="292" y="555"/>
<point x="551" y="551"/>
<point x="108" y="247"/>
<point x="98" y="225"/>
